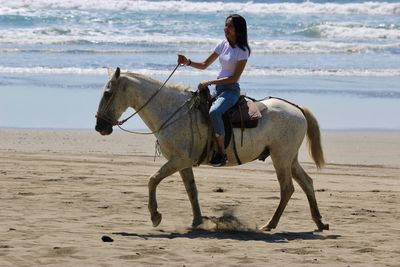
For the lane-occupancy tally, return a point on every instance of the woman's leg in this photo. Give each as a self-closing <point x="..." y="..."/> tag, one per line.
<point x="221" y="143"/>
<point x="224" y="101"/>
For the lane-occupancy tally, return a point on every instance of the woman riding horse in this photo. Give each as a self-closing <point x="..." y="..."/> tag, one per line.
<point x="233" y="54"/>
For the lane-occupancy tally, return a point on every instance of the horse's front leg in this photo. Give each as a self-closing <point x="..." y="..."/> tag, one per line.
<point x="170" y="167"/>
<point x="190" y="185"/>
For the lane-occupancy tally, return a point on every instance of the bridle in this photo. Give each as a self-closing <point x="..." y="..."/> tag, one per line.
<point x="102" y="114"/>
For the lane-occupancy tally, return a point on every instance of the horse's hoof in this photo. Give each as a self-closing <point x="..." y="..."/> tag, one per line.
<point x="325" y="227"/>
<point x="197" y="223"/>
<point x="156" y="219"/>
<point x="266" y="228"/>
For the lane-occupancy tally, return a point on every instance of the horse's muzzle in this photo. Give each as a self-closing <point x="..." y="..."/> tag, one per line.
<point x="103" y="127"/>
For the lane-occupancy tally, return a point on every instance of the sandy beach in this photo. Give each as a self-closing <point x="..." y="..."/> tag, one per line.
<point x="76" y="198"/>
<point x="63" y="190"/>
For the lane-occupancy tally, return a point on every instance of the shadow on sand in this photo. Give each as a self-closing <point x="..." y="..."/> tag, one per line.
<point x="282" y="237"/>
<point x="230" y="227"/>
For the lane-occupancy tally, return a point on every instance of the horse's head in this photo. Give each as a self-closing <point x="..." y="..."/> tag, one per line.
<point x="112" y="104"/>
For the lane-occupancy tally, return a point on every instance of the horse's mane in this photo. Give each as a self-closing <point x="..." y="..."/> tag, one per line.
<point x="177" y="86"/>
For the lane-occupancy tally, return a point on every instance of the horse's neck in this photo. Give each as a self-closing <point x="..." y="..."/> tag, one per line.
<point x="155" y="106"/>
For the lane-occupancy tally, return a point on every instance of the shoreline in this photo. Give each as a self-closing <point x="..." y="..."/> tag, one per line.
<point x="368" y="102"/>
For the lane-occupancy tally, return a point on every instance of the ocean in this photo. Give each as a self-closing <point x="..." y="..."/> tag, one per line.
<point x="339" y="58"/>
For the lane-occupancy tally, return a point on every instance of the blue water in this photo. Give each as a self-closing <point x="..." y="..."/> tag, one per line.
<point x="340" y="58"/>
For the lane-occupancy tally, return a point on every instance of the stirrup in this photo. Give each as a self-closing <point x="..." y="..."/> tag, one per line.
<point x="218" y="160"/>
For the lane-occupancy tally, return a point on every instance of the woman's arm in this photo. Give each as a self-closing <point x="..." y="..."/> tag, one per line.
<point x="198" y="65"/>
<point x="227" y="80"/>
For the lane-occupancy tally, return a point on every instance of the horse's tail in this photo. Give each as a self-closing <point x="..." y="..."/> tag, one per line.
<point x="314" y="138"/>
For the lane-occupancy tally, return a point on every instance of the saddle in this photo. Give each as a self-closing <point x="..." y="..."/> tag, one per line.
<point x="244" y="114"/>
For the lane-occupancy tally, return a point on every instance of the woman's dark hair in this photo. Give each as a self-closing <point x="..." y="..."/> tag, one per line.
<point x="241" y="31"/>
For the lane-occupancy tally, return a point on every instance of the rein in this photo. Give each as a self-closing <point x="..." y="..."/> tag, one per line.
<point x="167" y="122"/>
<point x="164" y="125"/>
<point x="119" y="123"/>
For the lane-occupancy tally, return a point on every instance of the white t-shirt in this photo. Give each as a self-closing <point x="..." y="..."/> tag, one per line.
<point x="228" y="58"/>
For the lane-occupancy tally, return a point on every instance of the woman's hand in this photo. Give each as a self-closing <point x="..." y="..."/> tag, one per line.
<point x="203" y="85"/>
<point x="182" y="60"/>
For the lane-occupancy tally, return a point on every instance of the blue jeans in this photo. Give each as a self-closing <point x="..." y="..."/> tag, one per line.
<point x="227" y="96"/>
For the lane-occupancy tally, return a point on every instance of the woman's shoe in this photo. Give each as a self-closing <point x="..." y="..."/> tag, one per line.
<point x="218" y="160"/>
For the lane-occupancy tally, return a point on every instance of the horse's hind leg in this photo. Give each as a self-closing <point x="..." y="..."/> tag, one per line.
<point x="306" y="183"/>
<point x="190" y="185"/>
<point x="286" y="185"/>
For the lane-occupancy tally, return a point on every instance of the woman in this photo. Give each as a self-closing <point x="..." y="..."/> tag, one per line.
<point x="233" y="54"/>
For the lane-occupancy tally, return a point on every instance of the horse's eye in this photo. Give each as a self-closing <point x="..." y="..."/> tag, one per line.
<point x="107" y="94"/>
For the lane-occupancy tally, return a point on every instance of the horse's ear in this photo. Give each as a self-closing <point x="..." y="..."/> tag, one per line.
<point x="117" y="73"/>
<point x="114" y="75"/>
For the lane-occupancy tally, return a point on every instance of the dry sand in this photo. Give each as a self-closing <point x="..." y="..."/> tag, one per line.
<point x="62" y="191"/>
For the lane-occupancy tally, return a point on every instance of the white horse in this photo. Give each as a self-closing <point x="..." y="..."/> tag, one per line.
<point x="183" y="135"/>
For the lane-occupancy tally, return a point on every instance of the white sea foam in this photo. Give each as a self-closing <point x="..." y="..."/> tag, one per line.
<point x="369" y="8"/>
<point x="186" y="72"/>
<point x="352" y="42"/>
<point x="43" y="35"/>
<point x="48" y="70"/>
<point x="357" y="31"/>
<point x="319" y="47"/>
